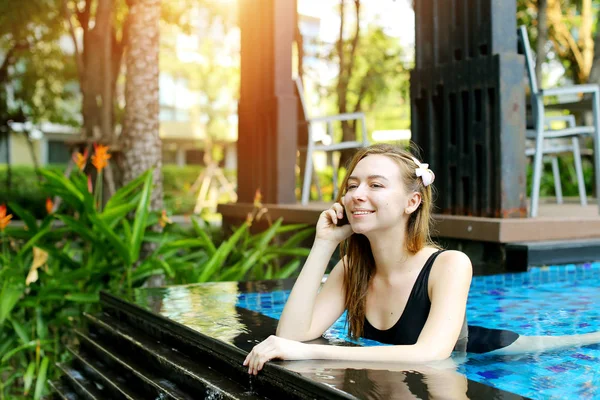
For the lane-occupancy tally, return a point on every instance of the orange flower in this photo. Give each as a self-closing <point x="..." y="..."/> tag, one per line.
<point x="4" y="219"/>
<point x="80" y="159"/>
<point x="257" y="199"/>
<point x="164" y="220"/>
<point x="101" y="156"/>
<point x="249" y="219"/>
<point x="49" y="205"/>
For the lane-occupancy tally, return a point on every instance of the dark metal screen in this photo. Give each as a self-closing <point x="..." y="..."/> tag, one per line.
<point x="468" y="105"/>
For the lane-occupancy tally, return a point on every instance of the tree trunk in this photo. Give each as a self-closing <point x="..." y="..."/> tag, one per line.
<point x="595" y="72"/>
<point x="542" y="28"/>
<point x="586" y="43"/>
<point x="142" y="147"/>
<point x="346" y="69"/>
<point x="98" y="63"/>
<point x="97" y="55"/>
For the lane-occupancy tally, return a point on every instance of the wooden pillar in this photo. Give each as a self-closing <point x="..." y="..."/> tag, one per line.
<point x="468" y="105"/>
<point x="267" y="132"/>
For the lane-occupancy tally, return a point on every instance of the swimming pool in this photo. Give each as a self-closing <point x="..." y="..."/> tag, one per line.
<point x="551" y="300"/>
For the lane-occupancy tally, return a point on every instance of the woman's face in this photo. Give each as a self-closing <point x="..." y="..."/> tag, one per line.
<point x="375" y="196"/>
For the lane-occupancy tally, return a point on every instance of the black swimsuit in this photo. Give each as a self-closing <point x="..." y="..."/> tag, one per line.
<point x="408" y="328"/>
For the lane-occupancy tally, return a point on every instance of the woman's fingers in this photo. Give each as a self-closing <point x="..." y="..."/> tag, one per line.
<point x="262" y="359"/>
<point x="259" y="355"/>
<point x="332" y="216"/>
<point x="339" y="209"/>
<point x="335" y="213"/>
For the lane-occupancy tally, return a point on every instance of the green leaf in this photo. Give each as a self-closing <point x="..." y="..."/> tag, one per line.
<point x="291" y="228"/>
<point x="296" y="239"/>
<point x="25" y="215"/>
<point x="77" y="227"/>
<point x="281" y="229"/>
<point x="232" y="273"/>
<point x="210" y="247"/>
<point x="80" y="180"/>
<point x="126" y="230"/>
<point x="182" y="244"/>
<point x="269" y="272"/>
<point x="31" y="242"/>
<point x="112" y="216"/>
<point x="29" y="345"/>
<point x="8" y="299"/>
<point x="40" y="383"/>
<point x="28" y="378"/>
<point x="113" y="239"/>
<point x="121" y="195"/>
<point x="83" y="297"/>
<point x="61" y="182"/>
<point x="221" y="254"/>
<point x="20" y="331"/>
<point x="299" y="252"/>
<point x="145" y="270"/>
<point x="141" y="214"/>
<point x="193" y="256"/>
<point x="288" y="269"/>
<point x="260" y="248"/>
<point x="166" y="267"/>
<point x="7" y="344"/>
<point x="60" y="256"/>
<point x="41" y="328"/>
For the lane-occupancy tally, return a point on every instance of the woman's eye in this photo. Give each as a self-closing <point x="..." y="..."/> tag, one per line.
<point x="351" y="187"/>
<point x="376" y="185"/>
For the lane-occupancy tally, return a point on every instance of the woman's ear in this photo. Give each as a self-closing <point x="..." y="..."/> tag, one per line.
<point x="414" y="201"/>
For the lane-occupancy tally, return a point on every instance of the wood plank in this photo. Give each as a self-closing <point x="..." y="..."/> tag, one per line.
<point x="556" y="222"/>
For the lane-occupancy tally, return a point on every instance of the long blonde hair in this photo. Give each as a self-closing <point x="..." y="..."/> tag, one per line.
<point x="359" y="263"/>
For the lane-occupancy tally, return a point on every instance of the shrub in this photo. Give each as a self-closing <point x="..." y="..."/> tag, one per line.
<point x="25" y="189"/>
<point x="53" y="268"/>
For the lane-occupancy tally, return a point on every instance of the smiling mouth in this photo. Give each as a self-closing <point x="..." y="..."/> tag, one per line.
<point x="362" y="212"/>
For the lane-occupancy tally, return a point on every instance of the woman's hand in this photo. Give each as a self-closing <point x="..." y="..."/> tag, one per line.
<point x="327" y="228"/>
<point x="275" y="347"/>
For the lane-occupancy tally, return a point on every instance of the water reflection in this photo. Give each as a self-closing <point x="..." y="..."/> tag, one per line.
<point x="386" y="380"/>
<point x="211" y="309"/>
<point x="207" y="308"/>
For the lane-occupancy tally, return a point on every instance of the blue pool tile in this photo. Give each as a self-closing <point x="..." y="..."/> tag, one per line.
<point x="582" y="357"/>
<point x="494" y="374"/>
<point x="553" y="300"/>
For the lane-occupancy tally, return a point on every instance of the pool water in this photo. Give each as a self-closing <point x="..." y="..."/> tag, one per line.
<point x="553" y="300"/>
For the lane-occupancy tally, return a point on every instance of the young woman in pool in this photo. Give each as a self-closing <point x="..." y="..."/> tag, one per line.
<point x="396" y="284"/>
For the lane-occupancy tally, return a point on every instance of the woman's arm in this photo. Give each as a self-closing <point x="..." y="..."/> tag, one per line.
<point x="450" y="281"/>
<point x="307" y="315"/>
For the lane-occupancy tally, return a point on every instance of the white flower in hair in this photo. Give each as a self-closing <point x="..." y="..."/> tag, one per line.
<point x="424" y="172"/>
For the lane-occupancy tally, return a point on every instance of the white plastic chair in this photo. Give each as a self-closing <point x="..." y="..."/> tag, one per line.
<point x="554" y="147"/>
<point x="540" y="125"/>
<point x="317" y="145"/>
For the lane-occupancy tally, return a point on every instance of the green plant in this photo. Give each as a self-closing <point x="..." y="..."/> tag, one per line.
<point x="568" y="177"/>
<point x="89" y="250"/>
<point x="51" y="270"/>
<point x="25" y="188"/>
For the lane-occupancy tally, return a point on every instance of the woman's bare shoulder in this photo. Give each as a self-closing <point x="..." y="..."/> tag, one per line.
<point x="452" y="262"/>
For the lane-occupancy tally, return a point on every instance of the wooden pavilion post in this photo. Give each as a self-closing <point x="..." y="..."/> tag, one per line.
<point x="468" y="105"/>
<point x="267" y="111"/>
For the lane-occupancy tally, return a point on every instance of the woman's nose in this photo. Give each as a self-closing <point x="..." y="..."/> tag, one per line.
<point x="358" y="193"/>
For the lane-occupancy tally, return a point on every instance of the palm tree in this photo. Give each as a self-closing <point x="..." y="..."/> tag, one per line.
<point x="142" y="148"/>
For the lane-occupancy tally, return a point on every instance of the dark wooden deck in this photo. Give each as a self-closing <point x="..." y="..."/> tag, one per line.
<point x="568" y="221"/>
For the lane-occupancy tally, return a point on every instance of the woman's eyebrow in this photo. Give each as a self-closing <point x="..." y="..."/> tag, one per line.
<point x="369" y="177"/>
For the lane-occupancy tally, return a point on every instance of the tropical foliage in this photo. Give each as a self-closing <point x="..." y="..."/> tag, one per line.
<point x="52" y="270"/>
